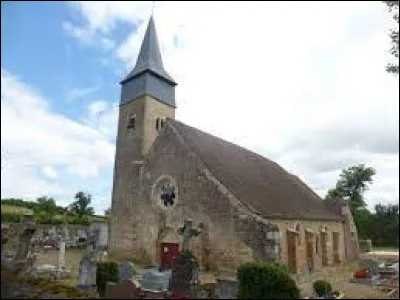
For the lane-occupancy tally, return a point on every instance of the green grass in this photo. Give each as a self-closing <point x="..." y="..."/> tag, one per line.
<point x="16" y="210"/>
<point x="388" y="249"/>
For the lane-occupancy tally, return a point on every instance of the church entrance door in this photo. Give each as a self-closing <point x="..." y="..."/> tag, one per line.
<point x="168" y="253"/>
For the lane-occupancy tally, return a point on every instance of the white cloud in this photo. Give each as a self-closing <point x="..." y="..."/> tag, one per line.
<point x="79" y="93"/>
<point x="103" y="116"/>
<point x="36" y="142"/>
<point x="50" y="172"/>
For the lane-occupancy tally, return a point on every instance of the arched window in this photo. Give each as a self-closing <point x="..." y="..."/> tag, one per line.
<point x="162" y="123"/>
<point x="158" y="124"/>
<point x="131" y="121"/>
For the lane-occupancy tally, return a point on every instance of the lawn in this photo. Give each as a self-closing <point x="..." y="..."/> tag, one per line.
<point x="15" y="210"/>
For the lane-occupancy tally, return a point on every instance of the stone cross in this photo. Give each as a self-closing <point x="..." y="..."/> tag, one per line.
<point x="61" y="256"/>
<point x="24" y="243"/>
<point x="187" y="231"/>
<point x="87" y="269"/>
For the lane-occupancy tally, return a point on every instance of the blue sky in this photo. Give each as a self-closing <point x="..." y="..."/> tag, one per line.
<point x="316" y="102"/>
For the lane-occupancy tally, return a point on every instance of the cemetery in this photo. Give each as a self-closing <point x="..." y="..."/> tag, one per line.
<point x="94" y="275"/>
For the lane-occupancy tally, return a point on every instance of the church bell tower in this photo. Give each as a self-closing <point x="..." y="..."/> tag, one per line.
<point x="147" y="98"/>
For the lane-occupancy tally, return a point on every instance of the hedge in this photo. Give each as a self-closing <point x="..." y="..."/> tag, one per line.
<point x="106" y="272"/>
<point x="266" y="281"/>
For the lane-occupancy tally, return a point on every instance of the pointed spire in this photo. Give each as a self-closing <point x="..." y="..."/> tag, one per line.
<point x="149" y="58"/>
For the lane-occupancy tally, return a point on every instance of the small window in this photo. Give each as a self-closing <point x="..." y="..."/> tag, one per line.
<point x="131" y="121"/>
<point x="317" y="244"/>
<point x="158" y="123"/>
<point x="162" y="123"/>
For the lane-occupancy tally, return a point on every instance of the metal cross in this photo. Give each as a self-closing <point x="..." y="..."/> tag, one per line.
<point x="152" y="7"/>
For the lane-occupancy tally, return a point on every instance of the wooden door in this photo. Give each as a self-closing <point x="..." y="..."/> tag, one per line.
<point x="291" y="251"/>
<point x="335" y="241"/>
<point x="310" y="249"/>
<point x="324" y="248"/>
<point x="168" y="253"/>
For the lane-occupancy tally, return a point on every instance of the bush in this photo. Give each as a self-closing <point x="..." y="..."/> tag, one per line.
<point x="106" y="271"/>
<point x="10" y="218"/>
<point x="266" y="281"/>
<point x="322" y="287"/>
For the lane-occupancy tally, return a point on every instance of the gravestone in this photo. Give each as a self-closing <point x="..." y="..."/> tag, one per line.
<point x="20" y="259"/>
<point x="24" y="243"/>
<point x="101" y="231"/>
<point x="87" y="268"/>
<point x="126" y="271"/>
<point x="184" y="276"/>
<point x="155" y="281"/>
<point x="61" y="256"/>
<point x="124" y="290"/>
<point x="226" y="288"/>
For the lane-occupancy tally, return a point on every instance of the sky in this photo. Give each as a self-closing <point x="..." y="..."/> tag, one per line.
<point x="302" y="83"/>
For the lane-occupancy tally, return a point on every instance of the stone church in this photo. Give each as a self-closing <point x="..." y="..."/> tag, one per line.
<point x="247" y="206"/>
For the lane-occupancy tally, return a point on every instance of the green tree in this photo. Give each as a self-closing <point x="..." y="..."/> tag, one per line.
<point x="393" y="7"/>
<point x="107" y="212"/>
<point x="352" y="184"/>
<point x="385" y="220"/>
<point x="81" y="205"/>
<point x="46" y="205"/>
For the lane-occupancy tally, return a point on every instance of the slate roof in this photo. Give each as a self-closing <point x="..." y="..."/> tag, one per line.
<point x="255" y="180"/>
<point x="149" y="58"/>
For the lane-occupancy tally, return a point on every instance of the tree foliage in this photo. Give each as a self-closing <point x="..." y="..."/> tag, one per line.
<point x="81" y="205"/>
<point x="107" y="212"/>
<point x="385" y="220"/>
<point x="393" y="7"/>
<point x="350" y="187"/>
<point x="352" y="184"/>
<point x="46" y="205"/>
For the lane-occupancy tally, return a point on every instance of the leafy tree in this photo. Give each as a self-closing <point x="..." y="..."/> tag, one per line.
<point x="385" y="219"/>
<point x="81" y="205"/>
<point x="107" y="212"/>
<point x="393" y="7"/>
<point x="353" y="182"/>
<point x="46" y="205"/>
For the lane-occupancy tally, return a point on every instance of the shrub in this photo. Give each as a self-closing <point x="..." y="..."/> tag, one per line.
<point x="266" y="281"/>
<point x="322" y="287"/>
<point x="9" y="218"/>
<point x="106" y="271"/>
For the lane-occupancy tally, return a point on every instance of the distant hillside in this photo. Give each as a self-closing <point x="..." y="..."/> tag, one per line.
<point x="13" y="209"/>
